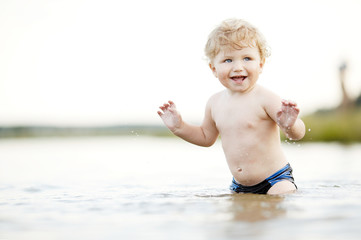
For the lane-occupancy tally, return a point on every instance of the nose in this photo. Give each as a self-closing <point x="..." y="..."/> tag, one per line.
<point x="238" y="66"/>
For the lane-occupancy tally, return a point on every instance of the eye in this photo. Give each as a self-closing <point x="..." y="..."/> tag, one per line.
<point x="228" y="60"/>
<point x="247" y="59"/>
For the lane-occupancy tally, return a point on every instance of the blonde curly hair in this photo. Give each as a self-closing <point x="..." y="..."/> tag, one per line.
<point x="235" y="33"/>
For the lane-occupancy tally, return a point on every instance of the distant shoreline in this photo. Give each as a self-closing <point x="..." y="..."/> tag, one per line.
<point x="332" y="125"/>
<point x="24" y="131"/>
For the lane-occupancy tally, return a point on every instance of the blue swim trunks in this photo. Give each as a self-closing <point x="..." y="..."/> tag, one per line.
<point x="262" y="188"/>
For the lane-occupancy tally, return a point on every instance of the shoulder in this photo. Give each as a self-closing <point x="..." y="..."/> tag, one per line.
<point x="267" y="97"/>
<point x="213" y="104"/>
<point x="265" y="92"/>
<point x="217" y="94"/>
<point x="270" y="101"/>
<point x="215" y="98"/>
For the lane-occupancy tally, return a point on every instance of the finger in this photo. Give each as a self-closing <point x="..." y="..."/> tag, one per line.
<point x="284" y="102"/>
<point x="172" y="104"/>
<point x="289" y="102"/>
<point x="279" y="113"/>
<point x="160" y="113"/>
<point x="297" y="110"/>
<point x="292" y="103"/>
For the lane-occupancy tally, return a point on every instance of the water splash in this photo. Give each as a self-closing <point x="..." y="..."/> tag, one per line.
<point x="286" y="141"/>
<point x="134" y="133"/>
<point x="290" y="141"/>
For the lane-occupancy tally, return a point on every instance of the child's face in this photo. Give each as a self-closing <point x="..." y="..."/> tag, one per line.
<point x="237" y="70"/>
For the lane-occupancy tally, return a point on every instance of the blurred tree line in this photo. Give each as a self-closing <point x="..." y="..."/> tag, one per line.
<point x="342" y="123"/>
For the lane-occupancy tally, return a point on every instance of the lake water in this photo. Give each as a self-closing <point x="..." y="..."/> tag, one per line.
<point x="163" y="188"/>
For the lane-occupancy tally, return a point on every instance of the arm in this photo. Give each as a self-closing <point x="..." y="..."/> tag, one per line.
<point x="285" y="114"/>
<point x="204" y="135"/>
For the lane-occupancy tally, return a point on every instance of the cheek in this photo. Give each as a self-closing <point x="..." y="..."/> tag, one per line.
<point x="222" y="73"/>
<point x="255" y="69"/>
<point x="223" y="77"/>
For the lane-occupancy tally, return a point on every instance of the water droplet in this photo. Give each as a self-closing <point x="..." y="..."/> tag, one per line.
<point x="309" y="129"/>
<point x="134" y="133"/>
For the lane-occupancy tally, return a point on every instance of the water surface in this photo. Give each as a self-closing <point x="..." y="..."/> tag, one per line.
<point x="164" y="188"/>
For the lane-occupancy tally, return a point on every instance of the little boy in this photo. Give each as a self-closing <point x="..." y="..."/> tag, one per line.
<point x="246" y="115"/>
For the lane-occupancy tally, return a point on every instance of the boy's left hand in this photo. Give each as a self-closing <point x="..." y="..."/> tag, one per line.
<point x="287" y="116"/>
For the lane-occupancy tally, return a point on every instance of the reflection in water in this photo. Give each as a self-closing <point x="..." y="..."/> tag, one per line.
<point x="255" y="207"/>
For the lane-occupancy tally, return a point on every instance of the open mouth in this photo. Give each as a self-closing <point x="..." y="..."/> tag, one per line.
<point x="238" y="79"/>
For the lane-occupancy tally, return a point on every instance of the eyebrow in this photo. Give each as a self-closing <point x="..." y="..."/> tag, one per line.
<point x="246" y="54"/>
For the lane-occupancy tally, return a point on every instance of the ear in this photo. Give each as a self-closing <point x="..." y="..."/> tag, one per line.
<point x="261" y="64"/>
<point x="214" y="71"/>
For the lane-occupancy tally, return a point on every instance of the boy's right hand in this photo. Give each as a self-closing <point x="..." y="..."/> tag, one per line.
<point x="170" y="116"/>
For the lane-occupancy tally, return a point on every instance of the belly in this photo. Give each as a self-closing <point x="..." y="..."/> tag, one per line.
<point x="251" y="163"/>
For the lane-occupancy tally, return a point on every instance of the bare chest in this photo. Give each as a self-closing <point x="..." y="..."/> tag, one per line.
<point x="238" y="117"/>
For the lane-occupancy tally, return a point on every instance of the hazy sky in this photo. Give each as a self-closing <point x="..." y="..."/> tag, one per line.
<point x="108" y="62"/>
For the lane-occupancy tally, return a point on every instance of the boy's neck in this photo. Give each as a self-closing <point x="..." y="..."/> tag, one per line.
<point x="239" y="93"/>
